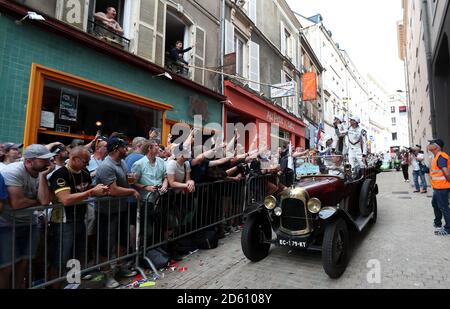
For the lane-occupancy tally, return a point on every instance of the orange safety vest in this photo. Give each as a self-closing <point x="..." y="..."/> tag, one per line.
<point x="438" y="180"/>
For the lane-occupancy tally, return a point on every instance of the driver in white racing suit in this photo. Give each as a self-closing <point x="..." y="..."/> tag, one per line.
<point x="356" y="144"/>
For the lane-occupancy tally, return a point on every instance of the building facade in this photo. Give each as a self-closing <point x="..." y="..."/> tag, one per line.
<point x="423" y="45"/>
<point x="62" y="82"/>
<point x="344" y="88"/>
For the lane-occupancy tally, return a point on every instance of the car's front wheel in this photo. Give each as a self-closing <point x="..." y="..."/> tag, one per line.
<point x="257" y="231"/>
<point x="335" y="248"/>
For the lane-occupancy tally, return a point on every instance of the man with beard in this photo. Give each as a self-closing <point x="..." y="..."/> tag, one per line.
<point x="113" y="173"/>
<point x="27" y="187"/>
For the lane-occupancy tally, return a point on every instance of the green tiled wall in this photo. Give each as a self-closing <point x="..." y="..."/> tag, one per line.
<point x="20" y="46"/>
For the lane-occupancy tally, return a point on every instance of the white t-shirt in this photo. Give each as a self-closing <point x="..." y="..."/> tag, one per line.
<point x="172" y="168"/>
<point x="416" y="160"/>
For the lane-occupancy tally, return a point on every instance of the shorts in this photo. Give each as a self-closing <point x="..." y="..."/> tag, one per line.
<point x="23" y="243"/>
<point x="112" y="231"/>
<point x="68" y="242"/>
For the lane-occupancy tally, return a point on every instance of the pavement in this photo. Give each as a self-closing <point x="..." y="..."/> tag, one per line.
<point x="400" y="251"/>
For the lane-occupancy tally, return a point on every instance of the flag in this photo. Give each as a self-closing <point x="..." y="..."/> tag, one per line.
<point x="319" y="136"/>
<point x="290" y="159"/>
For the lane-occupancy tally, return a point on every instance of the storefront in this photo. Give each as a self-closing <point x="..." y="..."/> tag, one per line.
<point x="59" y="84"/>
<point x="246" y="108"/>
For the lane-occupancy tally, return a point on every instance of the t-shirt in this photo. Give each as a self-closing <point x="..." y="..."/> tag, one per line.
<point x="442" y="162"/>
<point x="109" y="172"/>
<point x="3" y="192"/>
<point x="15" y="175"/>
<point x="198" y="172"/>
<point x="173" y="168"/>
<point x="2" y="166"/>
<point x="133" y="158"/>
<point x="93" y="166"/>
<point x="67" y="179"/>
<point x="148" y="174"/>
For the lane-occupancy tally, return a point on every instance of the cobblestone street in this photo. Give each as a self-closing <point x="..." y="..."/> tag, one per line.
<point x="403" y="241"/>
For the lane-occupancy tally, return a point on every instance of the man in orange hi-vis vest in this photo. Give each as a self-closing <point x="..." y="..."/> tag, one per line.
<point x="440" y="181"/>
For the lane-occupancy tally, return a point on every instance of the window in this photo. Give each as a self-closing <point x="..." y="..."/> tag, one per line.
<point x="393" y="109"/>
<point x="394" y="121"/>
<point x="288" y="39"/>
<point x="394" y="136"/>
<point x="241" y="52"/>
<point x="67" y="110"/>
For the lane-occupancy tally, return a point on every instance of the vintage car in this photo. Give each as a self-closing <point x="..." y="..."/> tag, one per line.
<point x="326" y="201"/>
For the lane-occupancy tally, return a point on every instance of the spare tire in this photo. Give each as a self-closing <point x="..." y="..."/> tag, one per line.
<point x="366" y="197"/>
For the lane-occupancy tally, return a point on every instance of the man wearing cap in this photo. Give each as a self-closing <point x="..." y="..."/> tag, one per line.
<point x="329" y="141"/>
<point x="339" y="134"/>
<point x="440" y="181"/>
<point x="27" y="187"/>
<point x="61" y="157"/>
<point x="356" y="144"/>
<point x="113" y="173"/>
<point x="12" y="154"/>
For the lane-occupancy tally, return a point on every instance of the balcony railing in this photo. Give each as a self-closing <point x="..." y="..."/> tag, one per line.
<point x="105" y="34"/>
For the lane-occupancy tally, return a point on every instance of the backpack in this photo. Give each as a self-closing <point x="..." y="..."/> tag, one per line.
<point x="159" y="257"/>
<point x="206" y="239"/>
<point x="184" y="245"/>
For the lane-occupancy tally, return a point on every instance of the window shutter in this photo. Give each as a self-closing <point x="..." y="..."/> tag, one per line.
<point x="160" y="31"/>
<point x="252" y="11"/>
<point x="254" y="66"/>
<point x="146" y="32"/>
<point x="283" y="100"/>
<point x="150" y="30"/>
<point x="229" y="34"/>
<point x="294" y="52"/>
<point x="283" y="39"/>
<point x="199" y="58"/>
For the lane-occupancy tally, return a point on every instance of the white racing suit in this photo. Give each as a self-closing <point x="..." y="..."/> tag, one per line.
<point x="356" y="147"/>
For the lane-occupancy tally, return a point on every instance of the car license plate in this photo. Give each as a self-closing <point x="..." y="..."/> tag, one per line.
<point x="292" y="243"/>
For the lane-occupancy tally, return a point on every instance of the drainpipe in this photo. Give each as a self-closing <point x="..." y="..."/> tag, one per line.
<point x="221" y="62"/>
<point x="429" y="55"/>
<point x="222" y="44"/>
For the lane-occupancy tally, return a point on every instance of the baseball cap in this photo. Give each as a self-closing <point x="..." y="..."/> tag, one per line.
<point x="9" y="146"/>
<point x="355" y="118"/>
<point x="438" y="142"/>
<point x="116" y="142"/>
<point x="37" y="152"/>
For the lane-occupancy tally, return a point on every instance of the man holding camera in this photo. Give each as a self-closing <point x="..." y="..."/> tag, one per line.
<point x="416" y="158"/>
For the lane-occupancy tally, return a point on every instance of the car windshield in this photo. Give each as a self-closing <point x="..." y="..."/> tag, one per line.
<point x="323" y="165"/>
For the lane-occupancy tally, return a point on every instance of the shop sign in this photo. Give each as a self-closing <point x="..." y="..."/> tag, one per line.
<point x="283" y="90"/>
<point x="283" y="122"/>
<point x="198" y="107"/>
<point x="309" y="86"/>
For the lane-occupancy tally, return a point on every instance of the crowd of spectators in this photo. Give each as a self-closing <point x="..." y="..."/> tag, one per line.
<point x="72" y="176"/>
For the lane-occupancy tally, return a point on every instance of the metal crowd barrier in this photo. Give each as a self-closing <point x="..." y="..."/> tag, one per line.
<point x="53" y="240"/>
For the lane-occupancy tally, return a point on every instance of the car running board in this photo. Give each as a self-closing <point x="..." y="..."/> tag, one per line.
<point x="362" y="222"/>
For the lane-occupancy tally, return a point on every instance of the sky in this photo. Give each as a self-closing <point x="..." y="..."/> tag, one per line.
<point x="367" y="30"/>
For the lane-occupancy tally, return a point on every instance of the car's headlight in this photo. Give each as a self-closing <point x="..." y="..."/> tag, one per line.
<point x="270" y="202"/>
<point x="314" y="205"/>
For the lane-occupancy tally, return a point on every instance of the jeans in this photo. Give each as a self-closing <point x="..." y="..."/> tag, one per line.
<point x="405" y="171"/>
<point x="69" y="242"/>
<point x="423" y="181"/>
<point x="441" y="208"/>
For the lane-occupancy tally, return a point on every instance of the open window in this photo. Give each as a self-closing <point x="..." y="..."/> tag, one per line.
<point x="106" y="32"/>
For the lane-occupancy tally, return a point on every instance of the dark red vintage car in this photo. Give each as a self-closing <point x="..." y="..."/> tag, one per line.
<point x="317" y="212"/>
